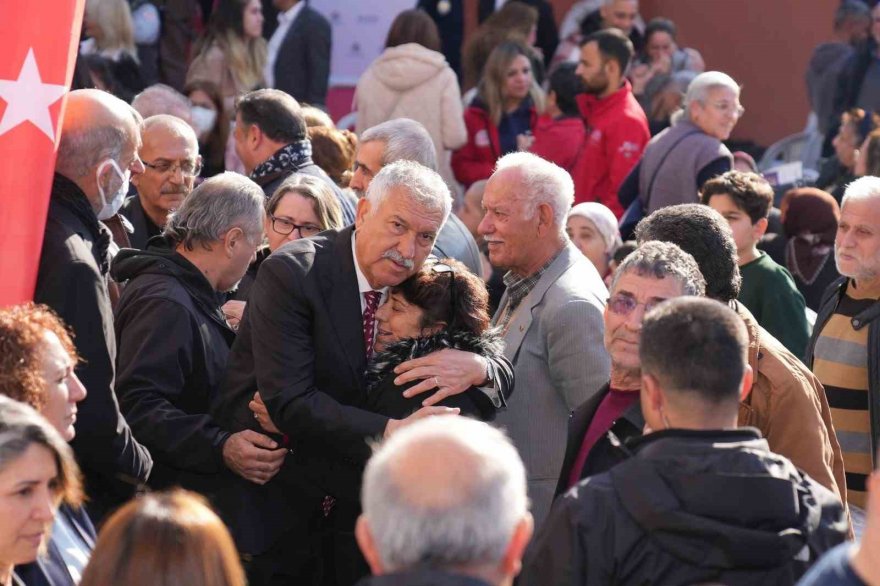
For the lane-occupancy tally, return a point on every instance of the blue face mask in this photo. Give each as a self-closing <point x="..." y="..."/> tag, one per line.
<point x="109" y="208"/>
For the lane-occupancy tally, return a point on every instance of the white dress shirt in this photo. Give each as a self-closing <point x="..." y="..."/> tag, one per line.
<point x="285" y="19"/>
<point x="363" y="284"/>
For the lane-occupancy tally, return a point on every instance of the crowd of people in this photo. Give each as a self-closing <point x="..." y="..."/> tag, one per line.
<point x="550" y="329"/>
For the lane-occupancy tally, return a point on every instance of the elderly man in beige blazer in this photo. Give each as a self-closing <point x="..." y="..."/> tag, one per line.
<point x="551" y="313"/>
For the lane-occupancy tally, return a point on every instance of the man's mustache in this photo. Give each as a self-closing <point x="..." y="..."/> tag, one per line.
<point x="395" y="256"/>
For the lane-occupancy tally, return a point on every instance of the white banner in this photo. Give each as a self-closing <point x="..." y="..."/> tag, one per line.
<point x="359" y="31"/>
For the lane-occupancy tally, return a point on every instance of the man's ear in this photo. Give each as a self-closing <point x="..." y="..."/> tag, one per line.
<point x="363" y="208"/>
<point x="233" y="238"/>
<point x="747" y="382"/>
<point x="545" y="218"/>
<point x="254" y="136"/>
<point x="511" y="562"/>
<point x="759" y="228"/>
<point x="368" y="546"/>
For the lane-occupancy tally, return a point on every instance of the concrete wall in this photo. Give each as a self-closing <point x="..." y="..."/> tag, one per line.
<point x="763" y="44"/>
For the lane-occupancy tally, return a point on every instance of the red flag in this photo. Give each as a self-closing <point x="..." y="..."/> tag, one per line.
<point x="38" y="46"/>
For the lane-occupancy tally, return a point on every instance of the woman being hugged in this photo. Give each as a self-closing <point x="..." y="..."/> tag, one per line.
<point x="506" y="106"/>
<point x="444" y="305"/>
<point x="232" y="52"/>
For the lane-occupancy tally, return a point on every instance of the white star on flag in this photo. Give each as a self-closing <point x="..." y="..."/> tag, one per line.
<point x="28" y="99"/>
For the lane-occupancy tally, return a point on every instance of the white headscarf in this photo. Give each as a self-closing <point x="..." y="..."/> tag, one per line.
<point x="604" y="220"/>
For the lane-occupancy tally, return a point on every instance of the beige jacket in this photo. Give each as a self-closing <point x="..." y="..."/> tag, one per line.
<point x="788" y="404"/>
<point x="410" y="81"/>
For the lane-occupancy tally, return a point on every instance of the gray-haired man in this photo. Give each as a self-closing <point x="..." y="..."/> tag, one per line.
<point x="405" y="139"/>
<point x="173" y="339"/>
<point x="656" y="271"/>
<point x="444" y="503"/>
<point x="304" y="342"/>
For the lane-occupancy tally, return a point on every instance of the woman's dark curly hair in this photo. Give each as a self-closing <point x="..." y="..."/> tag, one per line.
<point x="22" y="335"/>
<point x="429" y="290"/>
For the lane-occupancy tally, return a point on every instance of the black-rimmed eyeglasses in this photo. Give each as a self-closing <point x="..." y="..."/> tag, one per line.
<point x="285" y="227"/>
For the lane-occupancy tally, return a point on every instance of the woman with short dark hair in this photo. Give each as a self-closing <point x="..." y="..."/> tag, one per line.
<point x="442" y="306"/>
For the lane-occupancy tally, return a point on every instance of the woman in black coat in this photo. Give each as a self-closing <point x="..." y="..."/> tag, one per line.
<point x="442" y="306"/>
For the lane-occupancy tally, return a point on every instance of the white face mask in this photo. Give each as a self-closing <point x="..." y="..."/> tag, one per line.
<point x="203" y="119"/>
<point x="109" y="208"/>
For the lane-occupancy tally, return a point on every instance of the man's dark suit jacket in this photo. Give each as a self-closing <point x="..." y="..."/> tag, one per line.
<point x="301" y="344"/>
<point x="302" y="68"/>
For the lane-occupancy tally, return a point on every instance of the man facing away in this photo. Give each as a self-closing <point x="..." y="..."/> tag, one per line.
<point x="444" y="503"/>
<point x="700" y="500"/>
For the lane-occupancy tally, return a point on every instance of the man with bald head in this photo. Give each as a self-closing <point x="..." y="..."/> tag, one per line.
<point x="170" y="154"/>
<point x="444" y="502"/>
<point x="97" y="155"/>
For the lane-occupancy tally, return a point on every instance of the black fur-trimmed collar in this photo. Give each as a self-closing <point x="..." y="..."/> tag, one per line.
<point x="488" y="344"/>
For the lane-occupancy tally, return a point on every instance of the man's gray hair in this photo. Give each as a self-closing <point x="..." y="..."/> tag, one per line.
<point x="404" y="139"/>
<point x="861" y="189"/>
<point x="163" y="99"/>
<point x="445" y="492"/>
<point x="425" y="186"/>
<point x="80" y="150"/>
<point x="698" y="91"/>
<point x="542" y="182"/>
<point x="223" y="202"/>
<point x="660" y="260"/>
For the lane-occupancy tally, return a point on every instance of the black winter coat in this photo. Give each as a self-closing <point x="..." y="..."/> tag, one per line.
<point x="690" y="507"/>
<point x="173" y="344"/>
<point x="72" y="280"/>
<point x="386" y="398"/>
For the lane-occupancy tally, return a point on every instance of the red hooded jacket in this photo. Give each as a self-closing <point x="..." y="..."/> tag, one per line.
<point x="560" y="140"/>
<point x="476" y="159"/>
<point x="617" y="132"/>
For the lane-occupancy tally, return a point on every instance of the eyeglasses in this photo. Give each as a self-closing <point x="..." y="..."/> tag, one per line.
<point x="187" y="168"/>
<point x="286" y="227"/>
<point x="439" y="267"/>
<point x="624" y="304"/>
<point x="728" y="108"/>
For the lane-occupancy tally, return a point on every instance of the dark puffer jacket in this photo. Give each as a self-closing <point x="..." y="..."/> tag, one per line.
<point x="690" y="507"/>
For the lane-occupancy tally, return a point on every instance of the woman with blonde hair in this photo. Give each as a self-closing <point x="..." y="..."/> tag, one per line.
<point x="164" y="539"/>
<point x="232" y="52"/>
<point x="108" y="25"/>
<point x="37" y="474"/>
<point x="506" y="106"/>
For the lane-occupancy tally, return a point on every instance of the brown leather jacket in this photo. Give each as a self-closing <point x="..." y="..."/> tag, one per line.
<point x="788" y="404"/>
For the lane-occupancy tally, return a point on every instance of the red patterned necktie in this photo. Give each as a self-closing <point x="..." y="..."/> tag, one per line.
<point x="372" y="299"/>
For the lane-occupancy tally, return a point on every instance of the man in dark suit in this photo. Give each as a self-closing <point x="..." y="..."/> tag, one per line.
<point x="405" y="139"/>
<point x="272" y="141"/>
<point x="304" y="342"/>
<point x="298" y="59"/>
<point x="547" y="35"/>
